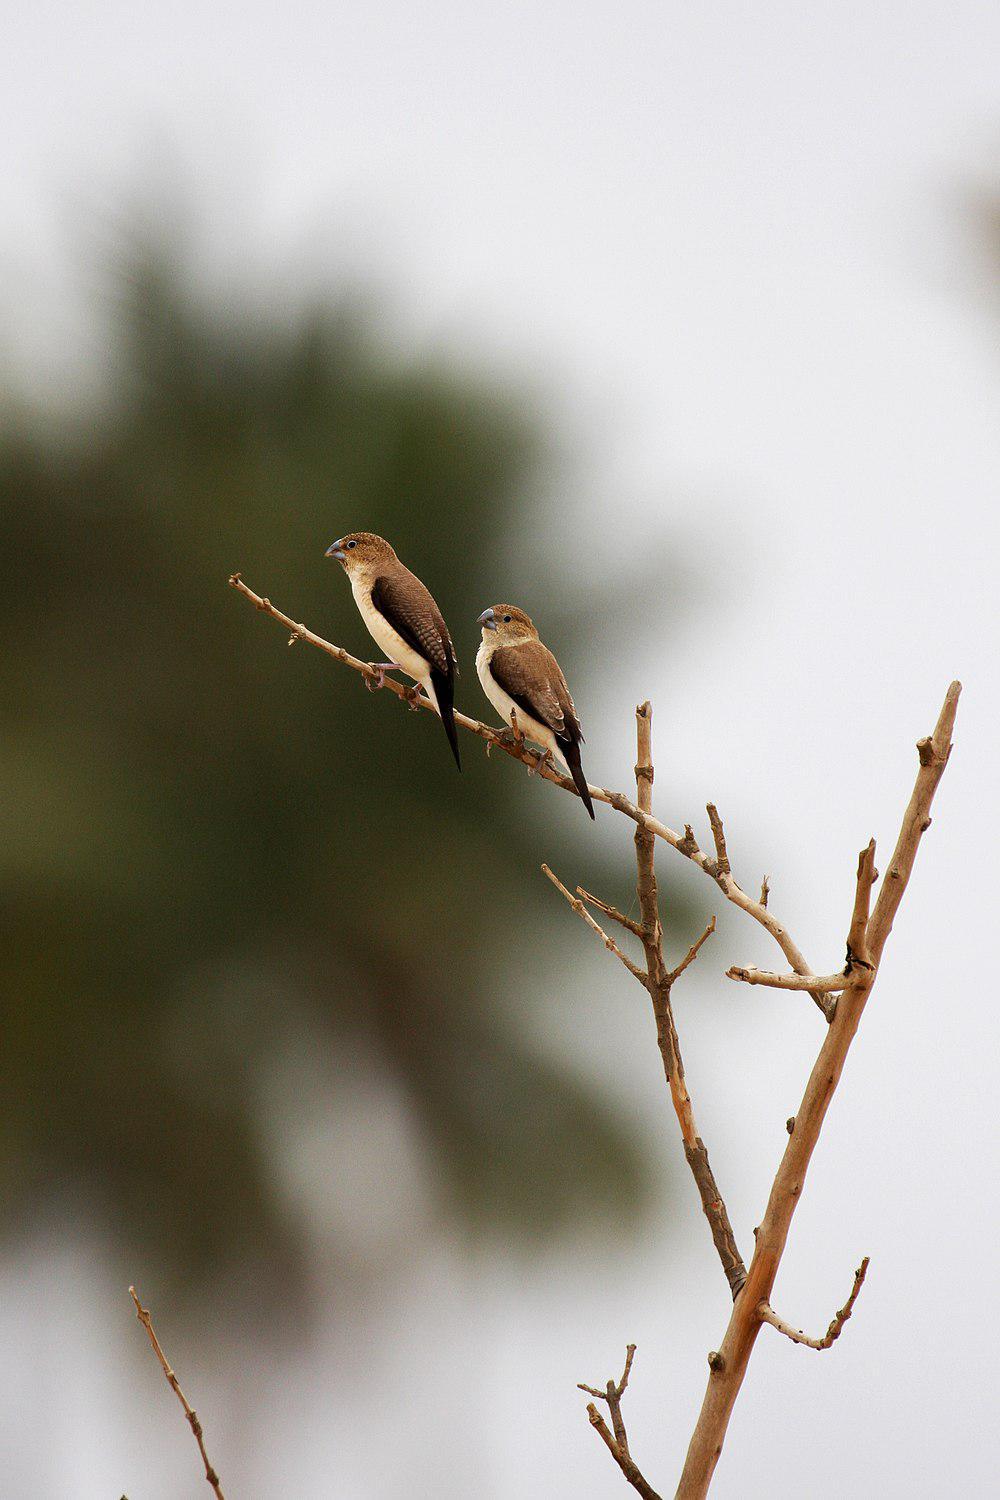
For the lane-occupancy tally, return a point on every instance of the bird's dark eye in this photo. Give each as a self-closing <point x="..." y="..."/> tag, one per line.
<point x="506" y="619"/>
<point x="350" y="545"/>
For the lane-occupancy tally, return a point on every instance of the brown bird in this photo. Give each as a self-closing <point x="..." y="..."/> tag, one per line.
<point x="403" y="621"/>
<point x="520" y="676"/>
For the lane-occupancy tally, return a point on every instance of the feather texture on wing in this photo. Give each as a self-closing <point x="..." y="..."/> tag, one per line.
<point x="410" y="609"/>
<point x="530" y="674"/>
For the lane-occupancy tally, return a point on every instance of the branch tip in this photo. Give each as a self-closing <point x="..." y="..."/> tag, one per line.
<point x="719" y="837"/>
<point x="608" y="941"/>
<point x="836" y="1328"/>
<point x="143" y="1314"/>
<point x="692" y="952"/>
<point x="812" y="984"/>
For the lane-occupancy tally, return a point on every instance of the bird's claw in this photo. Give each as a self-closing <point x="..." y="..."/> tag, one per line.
<point x="543" y="762"/>
<point x="375" y="685"/>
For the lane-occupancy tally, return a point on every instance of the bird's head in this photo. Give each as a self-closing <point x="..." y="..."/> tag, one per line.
<point x="361" y="551"/>
<point x="506" y="625"/>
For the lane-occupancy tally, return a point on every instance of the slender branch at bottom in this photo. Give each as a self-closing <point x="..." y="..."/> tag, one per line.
<point x="142" y="1313"/>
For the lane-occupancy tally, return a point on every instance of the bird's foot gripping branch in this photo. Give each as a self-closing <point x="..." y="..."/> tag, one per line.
<point x="841" y="997"/>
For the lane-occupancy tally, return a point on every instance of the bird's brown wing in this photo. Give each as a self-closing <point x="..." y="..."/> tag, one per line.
<point x="411" y="611"/>
<point x="533" y="678"/>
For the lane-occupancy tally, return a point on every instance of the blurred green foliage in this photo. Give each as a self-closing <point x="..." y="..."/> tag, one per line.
<point x="212" y="842"/>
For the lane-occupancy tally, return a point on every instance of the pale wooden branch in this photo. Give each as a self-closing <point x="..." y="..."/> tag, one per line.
<point x="610" y="911"/>
<point x="692" y="952"/>
<point x="685" y="843"/>
<point x="660" y="980"/>
<point x="824" y="983"/>
<point x="142" y="1314"/>
<point x="730" y="1364"/>
<point x="617" y="1442"/>
<point x="837" y="1322"/>
<point x="608" y="942"/>
<point x="719" y="838"/>
<point x="857" y="934"/>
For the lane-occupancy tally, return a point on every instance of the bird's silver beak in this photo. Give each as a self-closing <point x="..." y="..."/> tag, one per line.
<point x="337" y="551"/>
<point x="486" y="620"/>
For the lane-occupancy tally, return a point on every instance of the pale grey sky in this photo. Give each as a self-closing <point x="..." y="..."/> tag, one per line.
<point x="737" y="241"/>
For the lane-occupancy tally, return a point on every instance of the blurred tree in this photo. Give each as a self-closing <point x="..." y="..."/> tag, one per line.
<point x="205" y="830"/>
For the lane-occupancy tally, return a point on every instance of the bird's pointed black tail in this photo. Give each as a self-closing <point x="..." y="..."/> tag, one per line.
<point x="444" y="690"/>
<point x="571" y="751"/>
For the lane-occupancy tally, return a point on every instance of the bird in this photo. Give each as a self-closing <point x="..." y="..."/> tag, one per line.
<point x="522" y="678"/>
<point x="404" y="621"/>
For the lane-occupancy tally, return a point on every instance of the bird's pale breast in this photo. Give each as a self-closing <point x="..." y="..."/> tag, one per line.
<point x="388" y="639"/>
<point x="529" y="726"/>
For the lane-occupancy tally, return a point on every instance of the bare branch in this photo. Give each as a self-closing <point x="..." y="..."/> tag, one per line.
<point x="660" y="981"/>
<point x="837" y="1322"/>
<point x="142" y="1314"/>
<point x="617" y="1442"/>
<point x="692" y="952"/>
<point x="624" y="1462"/>
<point x="610" y="911"/>
<point x="608" y="942"/>
<point x="612" y="1394"/>
<point x="719" y="837"/>
<point x="685" y="844"/>
<point x="857" y="936"/>
<point x="934" y="752"/>
<point x="824" y="984"/>
<point x="726" y="1379"/>
<point x="857" y="945"/>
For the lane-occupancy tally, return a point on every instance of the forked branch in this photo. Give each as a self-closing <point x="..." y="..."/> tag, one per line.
<point x="658" y="980"/>
<point x="728" y="1370"/>
<point x="617" y="1441"/>
<point x="608" y="942"/>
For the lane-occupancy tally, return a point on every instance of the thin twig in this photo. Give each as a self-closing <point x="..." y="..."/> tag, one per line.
<point x="617" y="1442"/>
<point x="610" y="911"/>
<point x="857" y="936"/>
<point x="685" y="843"/>
<point x="142" y="1314"/>
<point x="612" y="1394"/>
<point x="719" y="839"/>
<point x="692" y="952"/>
<point x="837" y="1322"/>
<point x="824" y="983"/>
<point x="608" y="942"/>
